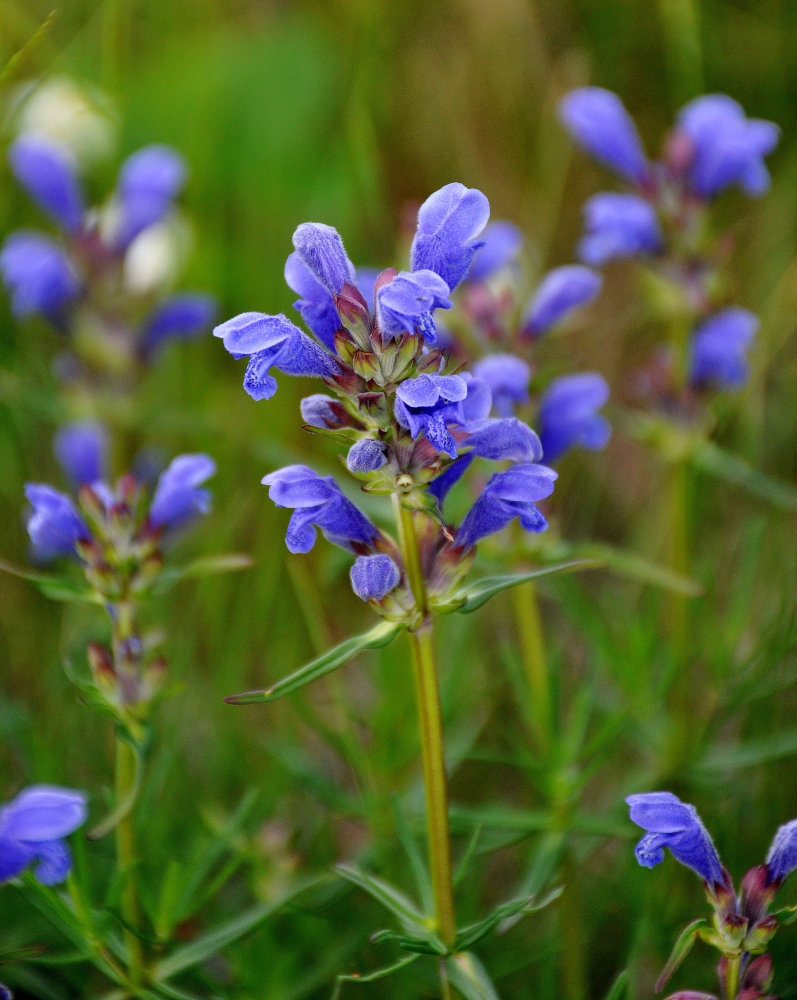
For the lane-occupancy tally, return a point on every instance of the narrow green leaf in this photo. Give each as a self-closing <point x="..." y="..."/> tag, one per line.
<point x="468" y="975"/>
<point x="479" y="593"/>
<point x="391" y="898"/>
<point x="380" y="635"/>
<point x="636" y="567"/>
<point x="55" y="587"/>
<point x="787" y="915"/>
<point x="207" y="566"/>
<point x="709" y="458"/>
<point x="371" y="977"/>
<point x="684" y="944"/>
<point x="213" y="941"/>
<point x="619" y="987"/>
<point x="469" y="936"/>
<point x="429" y="944"/>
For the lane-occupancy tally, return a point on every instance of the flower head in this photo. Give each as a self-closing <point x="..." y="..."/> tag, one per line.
<point x="149" y="181"/>
<point x="317" y="500"/>
<point x="428" y="404"/>
<point x="32" y="829"/>
<point x="561" y="290"/>
<point x="178" y="496"/>
<point x="674" y="824"/>
<point x="407" y="302"/>
<point x="47" y="174"/>
<point x="508" y="495"/>
<point x="599" y="122"/>
<point x="448" y="223"/>
<point x="618" y="225"/>
<point x="54" y="525"/>
<point x="718" y="348"/>
<point x="567" y="414"/>
<point x="782" y="857"/>
<point x="727" y="147"/>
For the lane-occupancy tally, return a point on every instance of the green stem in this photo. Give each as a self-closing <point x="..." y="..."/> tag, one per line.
<point x="430" y="722"/>
<point x="532" y="643"/>
<point x="732" y="976"/>
<point x="679" y="551"/>
<point x="127" y="860"/>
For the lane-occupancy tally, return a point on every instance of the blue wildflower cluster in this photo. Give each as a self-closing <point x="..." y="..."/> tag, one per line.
<point x="87" y="281"/>
<point x="743" y="925"/>
<point x="412" y="425"/>
<point x="713" y="147"/>
<point x="116" y="532"/>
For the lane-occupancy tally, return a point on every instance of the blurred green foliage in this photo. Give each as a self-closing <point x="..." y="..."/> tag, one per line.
<point x="351" y="112"/>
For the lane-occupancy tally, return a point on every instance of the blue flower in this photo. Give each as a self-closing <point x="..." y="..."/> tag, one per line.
<point x="322" y="411"/>
<point x="618" y="225"/>
<point x="321" y="250"/>
<point x="365" y="456"/>
<point x="674" y="824"/>
<point x="560" y="291"/>
<point x="502" y="439"/>
<point x="317" y="306"/>
<point x="177" y="496"/>
<point x="567" y="414"/>
<point x="508" y="495"/>
<point x="718" y="348"/>
<point x="407" y="302"/>
<point x="81" y="451"/>
<point x="728" y="147"/>
<point x="372" y="577"/>
<point x="502" y="241"/>
<point x="599" y="122"/>
<point x="317" y="500"/>
<point x="272" y="342"/>
<point x="448" y="223"/>
<point x="428" y="404"/>
<point x="149" y="181"/>
<point x="46" y="172"/>
<point x="782" y="857"/>
<point x="38" y="274"/>
<point x="508" y="378"/>
<point x="54" y="525"/>
<point x="32" y="829"/>
<point x="184" y="315"/>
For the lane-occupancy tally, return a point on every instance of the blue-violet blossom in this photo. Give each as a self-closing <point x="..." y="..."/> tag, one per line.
<point x="32" y="829"/>
<point x="718" y="348"/>
<point x="567" y="414"/>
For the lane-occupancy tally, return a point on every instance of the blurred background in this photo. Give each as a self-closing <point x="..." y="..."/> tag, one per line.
<point x="351" y="112"/>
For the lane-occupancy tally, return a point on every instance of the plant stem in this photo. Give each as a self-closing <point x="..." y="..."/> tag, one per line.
<point x="532" y="643"/>
<point x="732" y="976"/>
<point x="430" y="722"/>
<point x="126" y="858"/>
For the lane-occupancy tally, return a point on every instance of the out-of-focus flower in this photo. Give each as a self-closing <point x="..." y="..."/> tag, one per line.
<point x="508" y="378"/>
<point x="149" y="181"/>
<point x="618" y="225"/>
<point x="48" y="175"/>
<point x="719" y="348"/>
<point x="38" y="274"/>
<point x="560" y="291"/>
<point x="674" y="824"/>
<point x="502" y="242"/>
<point x="81" y="450"/>
<point x="599" y="122"/>
<point x="728" y="148"/>
<point x="54" y="525"/>
<point x="185" y="315"/>
<point x="32" y="829"/>
<point x="567" y="416"/>
<point x="372" y="577"/>
<point x="178" y="496"/>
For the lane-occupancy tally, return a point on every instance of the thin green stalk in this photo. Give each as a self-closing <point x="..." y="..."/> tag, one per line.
<point x="732" y="976"/>
<point x="431" y="732"/>
<point x="127" y="860"/>
<point x="574" y="980"/>
<point x="532" y="644"/>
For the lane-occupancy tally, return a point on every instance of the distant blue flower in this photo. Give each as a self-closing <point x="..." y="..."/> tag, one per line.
<point x="502" y="439"/>
<point x="372" y="577"/>
<point x="428" y="404"/>
<point x="448" y="223"/>
<point x="55" y="525"/>
<point x="321" y="249"/>
<point x="46" y="172"/>
<point x="317" y="500"/>
<point x="81" y="450"/>
<point x="406" y="304"/>
<point x="177" y="496"/>
<point x="502" y="242"/>
<point x="32" y="829"/>
<point x="567" y="416"/>
<point x="508" y="495"/>
<point x="560" y="291"/>
<point x="366" y="455"/>
<point x="38" y="275"/>
<point x="508" y="378"/>
<point x="316" y="306"/>
<point x="272" y="342"/>
<point x="600" y="124"/>
<point x="149" y="181"/>
<point x="782" y="857"/>
<point x="618" y="225"/>
<point x="185" y="315"/>
<point x="728" y="147"/>
<point x="674" y="824"/>
<point x="718" y="348"/>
